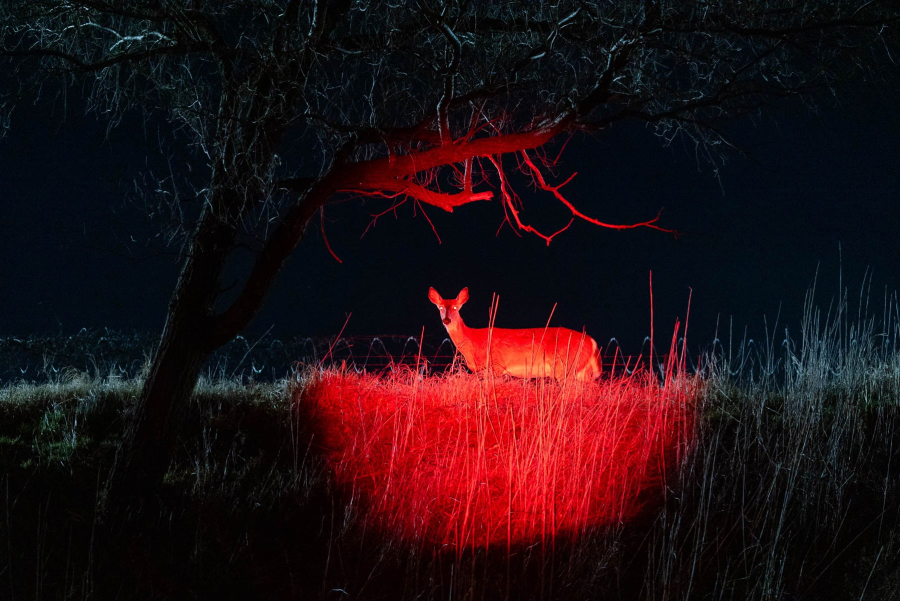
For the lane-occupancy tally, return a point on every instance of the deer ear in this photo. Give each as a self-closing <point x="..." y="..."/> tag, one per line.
<point x="433" y="296"/>
<point x="462" y="297"/>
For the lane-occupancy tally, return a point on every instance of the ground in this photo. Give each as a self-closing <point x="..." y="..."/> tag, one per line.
<point x="789" y="489"/>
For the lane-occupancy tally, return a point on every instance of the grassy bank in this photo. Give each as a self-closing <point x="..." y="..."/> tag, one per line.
<point x="789" y="488"/>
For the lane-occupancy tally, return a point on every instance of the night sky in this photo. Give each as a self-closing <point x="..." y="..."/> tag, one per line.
<point x="820" y="191"/>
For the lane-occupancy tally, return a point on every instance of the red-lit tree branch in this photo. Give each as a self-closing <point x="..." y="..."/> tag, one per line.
<point x="398" y="167"/>
<point x="442" y="200"/>
<point x="510" y="208"/>
<point x="393" y="176"/>
<point x="324" y="237"/>
<point x="539" y="180"/>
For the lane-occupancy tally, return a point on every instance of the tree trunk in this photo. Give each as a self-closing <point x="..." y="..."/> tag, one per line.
<point x="150" y="435"/>
<point x="192" y="332"/>
<point x="186" y="343"/>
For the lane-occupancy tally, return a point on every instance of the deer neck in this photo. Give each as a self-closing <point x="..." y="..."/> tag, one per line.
<point x="459" y="332"/>
<point x="461" y="335"/>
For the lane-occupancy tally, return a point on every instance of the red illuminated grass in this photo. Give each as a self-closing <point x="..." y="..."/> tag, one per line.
<point x="472" y="461"/>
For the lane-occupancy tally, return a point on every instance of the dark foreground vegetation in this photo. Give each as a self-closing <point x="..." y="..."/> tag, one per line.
<point x="791" y="490"/>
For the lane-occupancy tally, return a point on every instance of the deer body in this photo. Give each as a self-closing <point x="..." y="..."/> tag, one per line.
<point x="524" y="353"/>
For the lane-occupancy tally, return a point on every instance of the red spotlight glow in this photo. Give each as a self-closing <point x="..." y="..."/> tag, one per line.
<point x="475" y="461"/>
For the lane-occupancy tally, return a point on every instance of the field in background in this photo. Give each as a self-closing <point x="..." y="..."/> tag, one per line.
<point x="40" y="359"/>
<point x="788" y="489"/>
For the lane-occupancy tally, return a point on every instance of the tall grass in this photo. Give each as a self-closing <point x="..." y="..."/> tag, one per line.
<point x="467" y="461"/>
<point x="794" y="478"/>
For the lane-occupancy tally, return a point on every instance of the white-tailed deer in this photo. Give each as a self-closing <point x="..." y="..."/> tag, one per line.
<point x="529" y="353"/>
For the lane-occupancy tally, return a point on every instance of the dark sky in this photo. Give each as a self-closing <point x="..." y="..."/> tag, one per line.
<point x="751" y="241"/>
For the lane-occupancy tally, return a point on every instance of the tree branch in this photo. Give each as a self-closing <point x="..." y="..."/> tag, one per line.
<point x="442" y="200"/>
<point x="281" y="243"/>
<point x="125" y="57"/>
<point x="555" y="190"/>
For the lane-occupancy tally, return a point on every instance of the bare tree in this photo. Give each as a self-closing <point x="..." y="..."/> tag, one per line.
<point x="288" y="105"/>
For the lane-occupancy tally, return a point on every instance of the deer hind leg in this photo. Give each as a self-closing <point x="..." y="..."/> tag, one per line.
<point x="592" y="368"/>
<point x="596" y="368"/>
<point x="589" y="372"/>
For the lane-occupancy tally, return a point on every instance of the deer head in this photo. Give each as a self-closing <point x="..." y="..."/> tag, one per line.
<point x="449" y="308"/>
